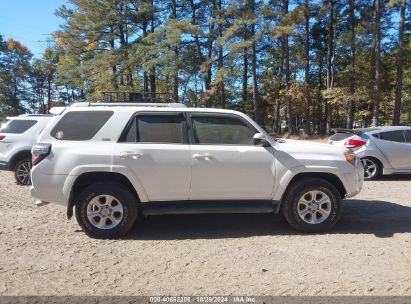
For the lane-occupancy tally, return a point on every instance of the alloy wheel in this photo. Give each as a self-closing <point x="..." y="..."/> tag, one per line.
<point x="23" y="173"/>
<point x="314" y="207"/>
<point x="370" y="168"/>
<point x="105" y="211"/>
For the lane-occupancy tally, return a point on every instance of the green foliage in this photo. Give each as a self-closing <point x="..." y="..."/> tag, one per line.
<point x="14" y="71"/>
<point x="201" y="53"/>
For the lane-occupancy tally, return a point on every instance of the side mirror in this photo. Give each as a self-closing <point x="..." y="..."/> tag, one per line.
<point x="260" y="140"/>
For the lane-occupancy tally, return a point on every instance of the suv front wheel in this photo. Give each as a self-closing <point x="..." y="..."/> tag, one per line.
<point x="106" y="210"/>
<point x="312" y="205"/>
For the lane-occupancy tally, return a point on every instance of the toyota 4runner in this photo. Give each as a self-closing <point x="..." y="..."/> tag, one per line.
<point x="110" y="163"/>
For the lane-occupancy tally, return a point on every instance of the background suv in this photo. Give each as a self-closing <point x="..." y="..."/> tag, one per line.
<point x="112" y="162"/>
<point x="383" y="150"/>
<point x="17" y="136"/>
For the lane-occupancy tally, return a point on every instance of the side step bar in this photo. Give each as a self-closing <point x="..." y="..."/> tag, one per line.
<point x="210" y="207"/>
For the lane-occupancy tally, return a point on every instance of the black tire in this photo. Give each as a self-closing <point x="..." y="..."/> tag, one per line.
<point x="369" y="162"/>
<point x="122" y="195"/>
<point x="290" y="205"/>
<point x="21" y="175"/>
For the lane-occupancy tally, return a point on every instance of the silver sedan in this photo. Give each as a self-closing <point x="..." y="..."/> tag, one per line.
<point x="383" y="150"/>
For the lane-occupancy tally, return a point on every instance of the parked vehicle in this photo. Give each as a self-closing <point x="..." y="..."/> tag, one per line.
<point x="112" y="162"/>
<point x="17" y="136"/>
<point x="383" y="150"/>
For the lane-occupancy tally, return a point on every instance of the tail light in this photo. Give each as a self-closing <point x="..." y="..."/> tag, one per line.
<point x="354" y="143"/>
<point x="39" y="152"/>
<point x="2" y="137"/>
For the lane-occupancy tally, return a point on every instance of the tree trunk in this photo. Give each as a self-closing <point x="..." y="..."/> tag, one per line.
<point x="145" y="76"/>
<point x="153" y="81"/>
<point x="330" y="58"/>
<point x="153" y="69"/>
<point x="48" y="92"/>
<point x="175" y="72"/>
<point x="400" y="63"/>
<point x="245" y="63"/>
<point x="276" y="125"/>
<point x="114" y="67"/>
<point x="256" y="101"/>
<point x="350" y="105"/>
<point x="307" y="124"/>
<point x="221" y="89"/>
<point x="321" y="125"/>
<point x="291" y="129"/>
<point x="377" y="85"/>
<point x="205" y="75"/>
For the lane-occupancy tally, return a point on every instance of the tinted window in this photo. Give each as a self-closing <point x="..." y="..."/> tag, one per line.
<point x="408" y="136"/>
<point x="364" y="136"/>
<point x="132" y="132"/>
<point x="397" y="136"/>
<point x="80" y="125"/>
<point x="221" y="130"/>
<point x="156" y="129"/>
<point x="17" y="126"/>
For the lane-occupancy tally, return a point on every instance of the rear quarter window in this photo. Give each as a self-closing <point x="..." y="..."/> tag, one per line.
<point x="17" y="126"/>
<point x="80" y="125"/>
<point x="397" y="136"/>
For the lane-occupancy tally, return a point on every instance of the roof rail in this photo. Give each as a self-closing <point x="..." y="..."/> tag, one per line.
<point x="35" y="115"/>
<point x="128" y="104"/>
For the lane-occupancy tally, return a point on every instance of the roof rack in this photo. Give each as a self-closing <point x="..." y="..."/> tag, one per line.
<point x="128" y="104"/>
<point x="135" y="97"/>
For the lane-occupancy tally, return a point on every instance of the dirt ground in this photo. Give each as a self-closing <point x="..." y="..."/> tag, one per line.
<point x="369" y="252"/>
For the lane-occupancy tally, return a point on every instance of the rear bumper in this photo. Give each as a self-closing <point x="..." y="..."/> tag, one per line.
<point x="47" y="187"/>
<point x="4" y="166"/>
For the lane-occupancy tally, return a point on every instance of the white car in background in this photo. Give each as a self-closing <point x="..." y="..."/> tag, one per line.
<point x="17" y="136"/>
<point x="383" y="150"/>
<point x="112" y="162"/>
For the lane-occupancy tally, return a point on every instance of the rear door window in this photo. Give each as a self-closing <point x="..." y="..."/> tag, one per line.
<point x="397" y="136"/>
<point x="17" y="126"/>
<point x="80" y="125"/>
<point x="157" y="128"/>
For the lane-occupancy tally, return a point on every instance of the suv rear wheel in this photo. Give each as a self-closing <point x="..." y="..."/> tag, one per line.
<point x="312" y="205"/>
<point x="22" y="172"/>
<point x="106" y="210"/>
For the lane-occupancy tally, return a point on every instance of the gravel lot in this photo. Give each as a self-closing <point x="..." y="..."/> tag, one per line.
<point x="42" y="253"/>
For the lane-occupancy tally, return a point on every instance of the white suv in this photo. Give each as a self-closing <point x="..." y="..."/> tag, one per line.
<point x="112" y="162"/>
<point x="17" y="136"/>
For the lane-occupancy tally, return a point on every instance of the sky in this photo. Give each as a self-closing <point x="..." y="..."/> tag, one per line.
<point x="29" y="21"/>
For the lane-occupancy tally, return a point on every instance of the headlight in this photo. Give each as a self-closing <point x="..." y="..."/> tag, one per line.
<point x="350" y="157"/>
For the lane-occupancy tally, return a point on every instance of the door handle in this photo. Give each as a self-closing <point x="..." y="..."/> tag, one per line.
<point x="205" y="156"/>
<point x="131" y="155"/>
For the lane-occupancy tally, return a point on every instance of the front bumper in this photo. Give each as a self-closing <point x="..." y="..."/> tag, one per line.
<point x="355" y="182"/>
<point x="4" y="165"/>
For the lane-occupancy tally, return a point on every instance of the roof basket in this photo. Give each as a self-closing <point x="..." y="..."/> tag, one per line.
<point x="135" y="97"/>
<point x="128" y="104"/>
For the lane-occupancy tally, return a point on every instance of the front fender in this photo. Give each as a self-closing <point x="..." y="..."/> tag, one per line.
<point x="287" y="174"/>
